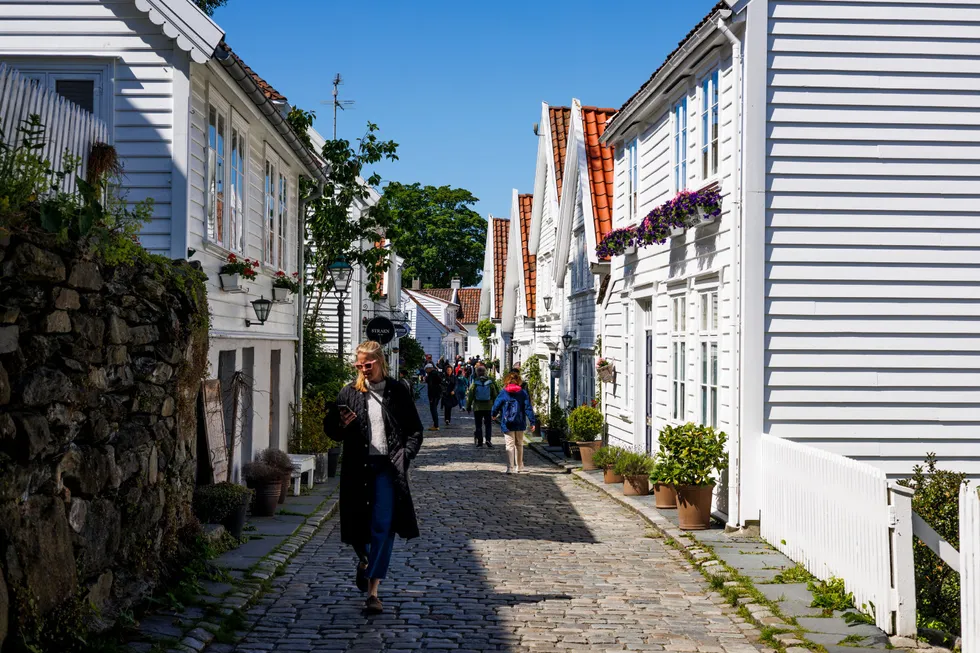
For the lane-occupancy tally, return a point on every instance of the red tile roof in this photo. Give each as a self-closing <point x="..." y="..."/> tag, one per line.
<point x="501" y="227"/>
<point x="560" y="118"/>
<point x="469" y="301"/>
<point x="530" y="261"/>
<point x="601" y="166"/>
<point x="445" y="294"/>
<point x="428" y="312"/>
<point x="264" y="86"/>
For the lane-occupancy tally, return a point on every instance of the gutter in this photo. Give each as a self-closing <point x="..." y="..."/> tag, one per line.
<point x="301" y="297"/>
<point x="251" y="89"/>
<point x="735" y="508"/>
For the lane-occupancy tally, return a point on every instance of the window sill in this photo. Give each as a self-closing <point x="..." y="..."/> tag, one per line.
<point x="220" y="250"/>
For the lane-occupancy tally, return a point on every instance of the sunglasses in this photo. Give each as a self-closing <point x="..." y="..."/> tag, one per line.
<point x="364" y="366"/>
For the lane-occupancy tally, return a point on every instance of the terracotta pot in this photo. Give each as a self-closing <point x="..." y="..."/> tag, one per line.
<point x="609" y="477"/>
<point x="266" y="499"/>
<point x="694" y="506"/>
<point x="284" y="488"/>
<point x="665" y="496"/>
<point x="636" y="486"/>
<point x="587" y="449"/>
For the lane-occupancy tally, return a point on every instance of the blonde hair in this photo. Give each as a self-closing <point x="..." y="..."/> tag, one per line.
<point x="513" y="377"/>
<point x="373" y="350"/>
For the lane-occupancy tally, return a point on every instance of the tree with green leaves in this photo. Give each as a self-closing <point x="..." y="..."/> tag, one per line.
<point x="334" y="230"/>
<point x="437" y="233"/>
<point x="208" y="6"/>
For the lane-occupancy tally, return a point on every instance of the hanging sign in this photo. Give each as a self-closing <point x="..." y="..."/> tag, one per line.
<point x="402" y="330"/>
<point x="380" y="329"/>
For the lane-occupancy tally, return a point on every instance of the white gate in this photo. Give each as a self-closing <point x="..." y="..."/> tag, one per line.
<point x="970" y="567"/>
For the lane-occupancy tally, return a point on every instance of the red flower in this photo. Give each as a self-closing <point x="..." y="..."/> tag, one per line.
<point x="280" y="273"/>
<point x="232" y="258"/>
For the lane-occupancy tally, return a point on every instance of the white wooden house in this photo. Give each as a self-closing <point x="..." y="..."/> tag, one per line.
<point x="831" y="302"/>
<point x="446" y="311"/>
<point x="204" y="136"/>
<point x="493" y="293"/>
<point x="426" y="328"/>
<point x="466" y="301"/>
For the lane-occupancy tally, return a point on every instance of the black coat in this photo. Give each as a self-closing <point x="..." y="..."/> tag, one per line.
<point x="403" y="429"/>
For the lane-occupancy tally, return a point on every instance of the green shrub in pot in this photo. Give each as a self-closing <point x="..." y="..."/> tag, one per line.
<point x="584" y="424"/>
<point x="213" y="503"/>
<point x="633" y="463"/>
<point x="607" y="456"/>
<point x="558" y="420"/>
<point x="698" y="452"/>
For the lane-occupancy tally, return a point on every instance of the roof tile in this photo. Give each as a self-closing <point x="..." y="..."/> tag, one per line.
<point x="469" y="301"/>
<point x="601" y="166"/>
<point x="560" y="118"/>
<point x="264" y="86"/>
<point x="530" y="261"/>
<point x="501" y="226"/>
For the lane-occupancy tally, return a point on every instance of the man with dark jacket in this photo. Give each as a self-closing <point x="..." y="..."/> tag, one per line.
<point x="433" y="383"/>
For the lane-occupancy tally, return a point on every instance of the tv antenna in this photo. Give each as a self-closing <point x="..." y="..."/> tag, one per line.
<point x="337" y="103"/>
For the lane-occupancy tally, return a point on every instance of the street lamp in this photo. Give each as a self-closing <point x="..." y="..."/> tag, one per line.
<point x="261" y="306"/>
<point x="340" y="273"/>
<point x="547" y="303"/>
<point x="566" y="340"/>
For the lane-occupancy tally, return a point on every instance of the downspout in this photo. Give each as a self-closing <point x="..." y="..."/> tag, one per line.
<point x="301" y="299"/>
<point x="734" y="508"/>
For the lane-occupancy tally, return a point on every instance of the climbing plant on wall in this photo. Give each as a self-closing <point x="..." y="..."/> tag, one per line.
<point x="484" y="330"/>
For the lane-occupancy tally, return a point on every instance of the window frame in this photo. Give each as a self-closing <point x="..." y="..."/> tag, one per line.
<point x="678" y="331"/>
<point x="222" y="110"/>
<point x="680" y="141"/>
<point x="709" y="115"/>
<point x="53" y="69"/>
<point x="632" y="180"/>
<point x="239" y="228"/>
<point x="709" y="321"/>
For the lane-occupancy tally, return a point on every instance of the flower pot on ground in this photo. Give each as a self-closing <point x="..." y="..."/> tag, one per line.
<point x="267" y="483"/>
<point x="694" y="506"/>
<point x="333" y="457"/>
<point x="279" y="460"/>
<point x="632" y="465"/>
<point x="690" y="456"/>
<point x="566" y="448"/>
<point x="223" y="503"/>
<point x="664" y="496"/>
<point x="554" y="436"/>
<point x="605" y="458"/>
<point x="662" y="478"/>
<point x="584" y="426"/>
<point x="320" y="468"/>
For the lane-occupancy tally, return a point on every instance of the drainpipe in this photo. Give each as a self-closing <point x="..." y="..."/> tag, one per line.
<point x="734" y="508"/>
<point x="301" y="297"/>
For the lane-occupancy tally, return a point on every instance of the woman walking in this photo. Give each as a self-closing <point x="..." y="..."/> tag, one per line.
<point x="382" y="433"/>
<point x="462" y="385"/>
<point x="449" y="399"/>
<point x="513" y="405"/>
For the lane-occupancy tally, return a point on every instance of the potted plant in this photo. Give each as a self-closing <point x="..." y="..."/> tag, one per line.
<point x="279" y="460"/>
<point x="555" y="367"/>
<point x="700" y="452"/>
<point x="662" y="478"/>
<point x="557" y="423"/>
<point x="223" y="503"/>
<point x="283" y="286"/>
<point x="635" y="468"/>
<point x="584" y="427"/>
<point x="605" y="370"/>
<point x="267" y="482"/>
<point x="605" y="459"/>
<point x="234" y="270"/>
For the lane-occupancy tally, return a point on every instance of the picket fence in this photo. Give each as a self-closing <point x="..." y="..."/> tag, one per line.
<point x="842" y="518"/>
<point x="69" y="129"/>
<point x="970" y="567"/>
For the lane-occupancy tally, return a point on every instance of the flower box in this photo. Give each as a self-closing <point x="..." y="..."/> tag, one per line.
<point x="630" y="251"/>
<point x="706" y="216"/>
<point x="281" y="295"/>
<point x="232" y="283"/>
<point x="677" y="231"/>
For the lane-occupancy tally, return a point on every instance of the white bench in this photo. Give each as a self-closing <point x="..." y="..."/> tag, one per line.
<point x="302" y="464"/>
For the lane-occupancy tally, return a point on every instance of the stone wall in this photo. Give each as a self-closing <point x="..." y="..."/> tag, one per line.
<point x="99" y="373"/>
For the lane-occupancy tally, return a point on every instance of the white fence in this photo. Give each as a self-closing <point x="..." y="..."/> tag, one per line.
<point x="68" y="128"/>
<point x="838" y="517"/>
<point x="970" y="567"/>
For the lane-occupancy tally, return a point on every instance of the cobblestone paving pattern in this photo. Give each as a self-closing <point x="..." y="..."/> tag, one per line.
<point x="532" y="562"/>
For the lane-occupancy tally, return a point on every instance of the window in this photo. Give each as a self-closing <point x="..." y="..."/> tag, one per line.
<point x="581" y="277"/>
<point x="281" y="257"/>
<point x="680" y="145"/>
<point x="709" y="357"/>
<point x="632" y="182"/>
<point x="275" y="249"/>
<point x="226" y="183"/>
<point x="678" y="355"/>
<point x="586" y="372"/>
<point x="270" y="211"/>
<point x="709" y="126"/>
<point x="628" y="331"/>
<point x="80" y="84"/>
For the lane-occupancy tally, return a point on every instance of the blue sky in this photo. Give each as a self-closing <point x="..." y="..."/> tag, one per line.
<point x="457" y="84"/>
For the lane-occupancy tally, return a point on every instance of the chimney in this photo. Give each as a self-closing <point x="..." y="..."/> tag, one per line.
<point x="455" y="284"/>
<point x="416" y="284"/>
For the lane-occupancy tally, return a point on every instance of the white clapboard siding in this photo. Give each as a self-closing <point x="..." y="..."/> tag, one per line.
<point x="69" y="131"/>
<point x="872" y="240"/>
<point x="970" y="566"/>
<point x="831" y="514"/>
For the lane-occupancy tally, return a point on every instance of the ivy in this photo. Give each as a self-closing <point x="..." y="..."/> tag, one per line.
<point x="485" y="330"/>
<point x="537" y="389"/>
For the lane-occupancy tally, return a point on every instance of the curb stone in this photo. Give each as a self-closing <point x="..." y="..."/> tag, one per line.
<point x="198" y="635"/>
<point x="550" y="457"/>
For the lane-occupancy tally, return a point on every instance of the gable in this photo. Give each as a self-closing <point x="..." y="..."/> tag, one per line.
<point x="500" y="228"/>
<point x="601" y="168"/>
<point x="529" y="260"/>
<point x="559" y="119"/>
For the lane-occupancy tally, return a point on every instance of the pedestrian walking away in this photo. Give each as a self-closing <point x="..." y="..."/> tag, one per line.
<point x="480" y="397"/>
<point x="513" y="407"/>
<point x="433" y="384"/>
<point x="449" y="399"/>
<point x="462" y="385"/>
<point x="382" y="433"/>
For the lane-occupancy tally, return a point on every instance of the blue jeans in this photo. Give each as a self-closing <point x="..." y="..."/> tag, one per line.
<point x="377" y="553"/>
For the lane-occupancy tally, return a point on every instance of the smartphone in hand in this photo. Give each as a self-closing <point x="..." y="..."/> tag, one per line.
<point x="346" y="414"/>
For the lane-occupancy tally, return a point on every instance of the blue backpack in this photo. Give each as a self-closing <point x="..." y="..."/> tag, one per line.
<point x="482" y="392"/>
<point x="512" y="412"/>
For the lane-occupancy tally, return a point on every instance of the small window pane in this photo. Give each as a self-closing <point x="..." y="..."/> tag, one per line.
<point x="79" y="91"/>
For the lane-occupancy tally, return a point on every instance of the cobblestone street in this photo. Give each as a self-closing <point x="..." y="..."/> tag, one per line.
<point x="533" y="562"/>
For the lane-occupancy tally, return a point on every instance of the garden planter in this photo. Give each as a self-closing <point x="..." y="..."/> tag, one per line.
<point x="566" y="448"/>
<point x="554" y="437"/>
<point x="555" y="374"/>
<point x="586" y="449"/>
<point x="677" y="231"/>
<point x="609" y="477"/>
<point x="231" y="282"/>
<point x="576" y="452"/>
<point x="630" y="251"/>
<point x="284" y="488"/>
<point x="320" y="470"/>
<point x="281" y="294"/>
<point x="234" y="523"/>
<point x="665" y="496"/>
<point x="266" y="499"/>
<point x="694" y="506"/>
<point x="705" y="218"/>
<point x="606" y="373"/>
<point x="333" y="457"/>
<point x="636" y="486"/>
